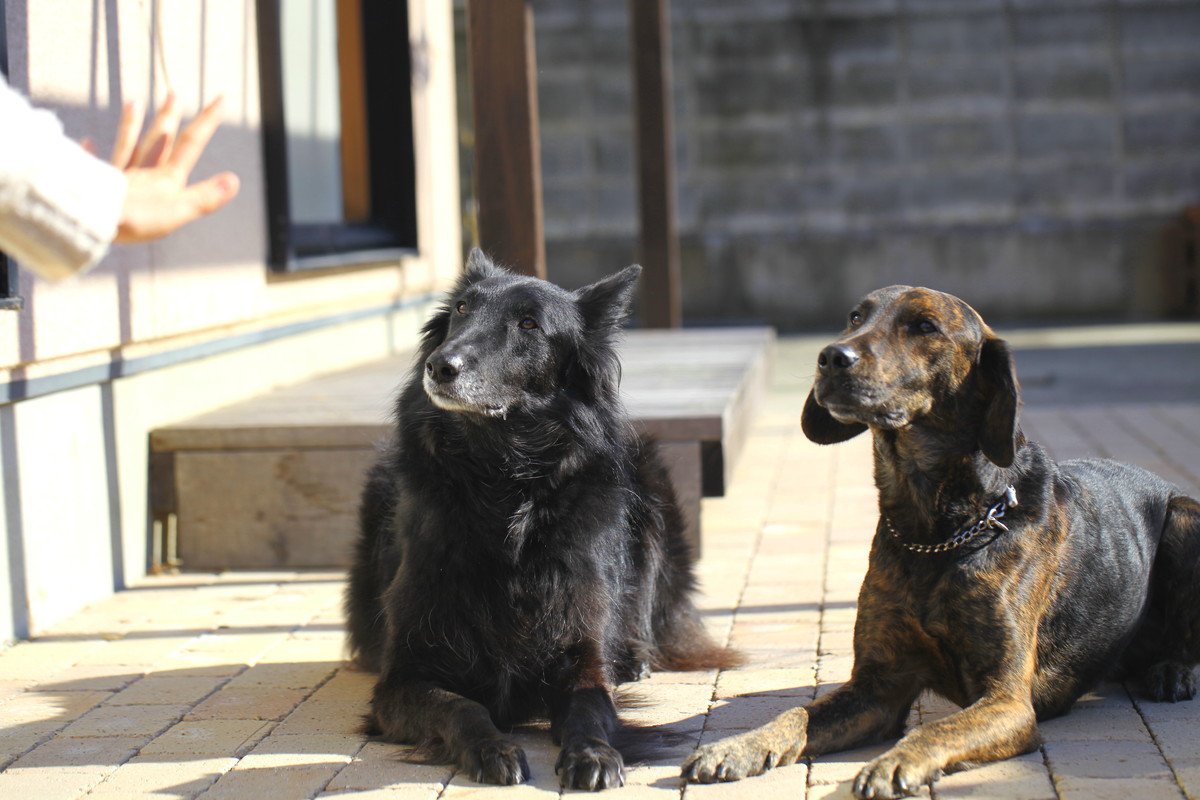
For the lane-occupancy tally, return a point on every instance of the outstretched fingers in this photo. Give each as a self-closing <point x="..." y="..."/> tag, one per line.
<point x="194" y="138"/>
<point x="155" y="147"/>
<point x="132" y="117"/>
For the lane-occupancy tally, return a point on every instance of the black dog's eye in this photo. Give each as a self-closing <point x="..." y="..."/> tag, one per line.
<point x="460" y="307"/>
<point x="856" y="318"/>
<point x="924" y="326"/>
<point x="528" y="324"/>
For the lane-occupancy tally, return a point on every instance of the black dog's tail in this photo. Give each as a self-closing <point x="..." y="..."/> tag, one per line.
<point x="686" y="646"/>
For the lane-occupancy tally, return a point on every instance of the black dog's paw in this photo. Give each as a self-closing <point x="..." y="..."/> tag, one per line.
<point x="1169" y="681"/>
<point x="495" y="761"/>
<point x="591" y="765"/>
<point x="893" y="775"/>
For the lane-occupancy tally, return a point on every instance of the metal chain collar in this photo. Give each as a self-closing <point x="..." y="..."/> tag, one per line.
<point x="988" y="521"/>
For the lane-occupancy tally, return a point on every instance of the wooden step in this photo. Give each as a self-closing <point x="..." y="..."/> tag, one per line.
<point x="274" y="481"/>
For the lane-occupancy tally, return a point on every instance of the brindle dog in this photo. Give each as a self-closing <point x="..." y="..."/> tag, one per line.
<point x="1093" y="564"/>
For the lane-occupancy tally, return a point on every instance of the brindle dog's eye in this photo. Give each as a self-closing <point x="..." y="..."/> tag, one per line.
<point x="460" y="307"/>
<point x="925" y="326"/>
<point x="528" y="324"/>
<point x="856" y="318"/>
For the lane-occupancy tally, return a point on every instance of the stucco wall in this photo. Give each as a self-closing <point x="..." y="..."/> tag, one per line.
<point x="198" y="314"/>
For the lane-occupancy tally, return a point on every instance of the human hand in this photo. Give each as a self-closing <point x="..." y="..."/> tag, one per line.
<point x="158" y="199"/>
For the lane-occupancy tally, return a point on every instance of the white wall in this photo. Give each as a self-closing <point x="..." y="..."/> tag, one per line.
<point x="73" y="510"/>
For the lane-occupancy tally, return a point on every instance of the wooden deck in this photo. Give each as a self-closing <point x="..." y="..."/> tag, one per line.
<point x="274" y="481"/>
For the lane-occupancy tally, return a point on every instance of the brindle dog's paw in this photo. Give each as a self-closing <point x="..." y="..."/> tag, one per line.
<point x="591" y="765"/>
<point x="893" y="775"/>
<point x="1169" y="681"/>
<point x="733" y="759"/>
<point x="495" y="761"/>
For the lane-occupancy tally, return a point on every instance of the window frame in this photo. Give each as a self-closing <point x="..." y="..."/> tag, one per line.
<point x="392" y="232"/>
<point x="9" y="282"/>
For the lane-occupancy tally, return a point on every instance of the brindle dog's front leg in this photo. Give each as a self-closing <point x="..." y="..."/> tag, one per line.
<point x="991" y="729"/>
<point x="862" y="711"/>
<point x="420" y="712"/>
<point x="583" y="719"/>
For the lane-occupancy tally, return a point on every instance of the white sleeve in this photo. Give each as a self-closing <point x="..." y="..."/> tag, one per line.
<point x="59" y="205"/>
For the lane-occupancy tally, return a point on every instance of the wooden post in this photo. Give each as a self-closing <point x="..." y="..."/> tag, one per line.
<point x="508" y="165"/>
<point x="651" y="39"/>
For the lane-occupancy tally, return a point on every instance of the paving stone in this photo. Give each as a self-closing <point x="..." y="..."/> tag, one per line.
<point x="66" y="752"/>
<point x="260" y="702"/>
<point x="326" y="717"/>
<point x="845" y="766"/>
<point x="278" y="783"/>
<point x="775" y="682"/>
<point x="45" y="783"/>
<point x="56" y="707"/>
<point x="1022" y="778"/>
<point x="161" y="778"/>
<point x="743" y="713"/>
<point x="111" y="677"/>
<point x="382" y="771"/>
<point x="210" y="737"/>
<point x="166" y="690"/>
<point x="125" y="721"/>
<point x="1106" y="759"/>
<point x="1085" y="722"/>
<point x="1071" y="787"/>
<point x="306" y="748"/>
<point x="18" y="739"/>
<point x="284" y="675"/>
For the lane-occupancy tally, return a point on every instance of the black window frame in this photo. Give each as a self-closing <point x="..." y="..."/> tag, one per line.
<point x="9" y="299"/>
<point x="392" y="230"/>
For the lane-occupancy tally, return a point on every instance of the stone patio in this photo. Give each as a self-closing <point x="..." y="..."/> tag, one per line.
<point x="233" y="685"/>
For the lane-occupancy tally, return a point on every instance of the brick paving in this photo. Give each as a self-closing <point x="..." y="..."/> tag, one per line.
<point x="234" y="685"/>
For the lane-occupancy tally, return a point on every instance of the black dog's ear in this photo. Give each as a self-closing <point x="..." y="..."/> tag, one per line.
<point x="479" y="266"/>
<point x="999" y="429"/>
<point x="594" y="371"/>
<point x="605" y="303"/>
<point x="820" y="426"/>
<point x="433" y="333"/>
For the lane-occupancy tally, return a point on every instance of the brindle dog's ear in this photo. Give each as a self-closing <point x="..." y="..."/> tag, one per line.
<point x="998" y="432"/>
<point x="820" y="426"/>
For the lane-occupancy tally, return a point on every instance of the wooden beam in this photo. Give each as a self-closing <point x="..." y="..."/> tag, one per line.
<point x="508" y="166"/>
<point x="352" y="89"/>
<point x="661" y="291"/>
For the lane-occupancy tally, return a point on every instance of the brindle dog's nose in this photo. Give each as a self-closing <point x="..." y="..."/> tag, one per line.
<point x="836" y="358"/>
<point x="443" y="368"/>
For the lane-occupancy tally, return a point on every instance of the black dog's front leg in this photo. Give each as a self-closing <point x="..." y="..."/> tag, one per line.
<point x="422" y="713"/>
<point x="583" y="720"/>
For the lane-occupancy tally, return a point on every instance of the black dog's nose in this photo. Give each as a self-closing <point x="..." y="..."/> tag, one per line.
<point x="837" y="357"/>
<point x="442" y="368"/>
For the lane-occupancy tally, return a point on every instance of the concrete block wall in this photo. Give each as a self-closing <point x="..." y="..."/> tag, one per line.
<point x="1024" y="154"/>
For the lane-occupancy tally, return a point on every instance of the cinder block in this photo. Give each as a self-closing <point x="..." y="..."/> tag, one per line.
<point x="1161" y="132"/>
<point x="865" y="84"/>
<point x="1059" y="30"/>
<point x="976" y="83"/>
<point x="967" y="36"/>
<point x="1047" y="134"/>
<point x="973" y="137"/>
<point x="866" y="143"/>
<point x="1059" y="79"/>
<point x="1176" y="77"/>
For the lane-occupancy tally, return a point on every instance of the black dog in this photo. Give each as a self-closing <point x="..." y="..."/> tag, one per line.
<point x="521" y="551"/>
<point x="998" y="579"/>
